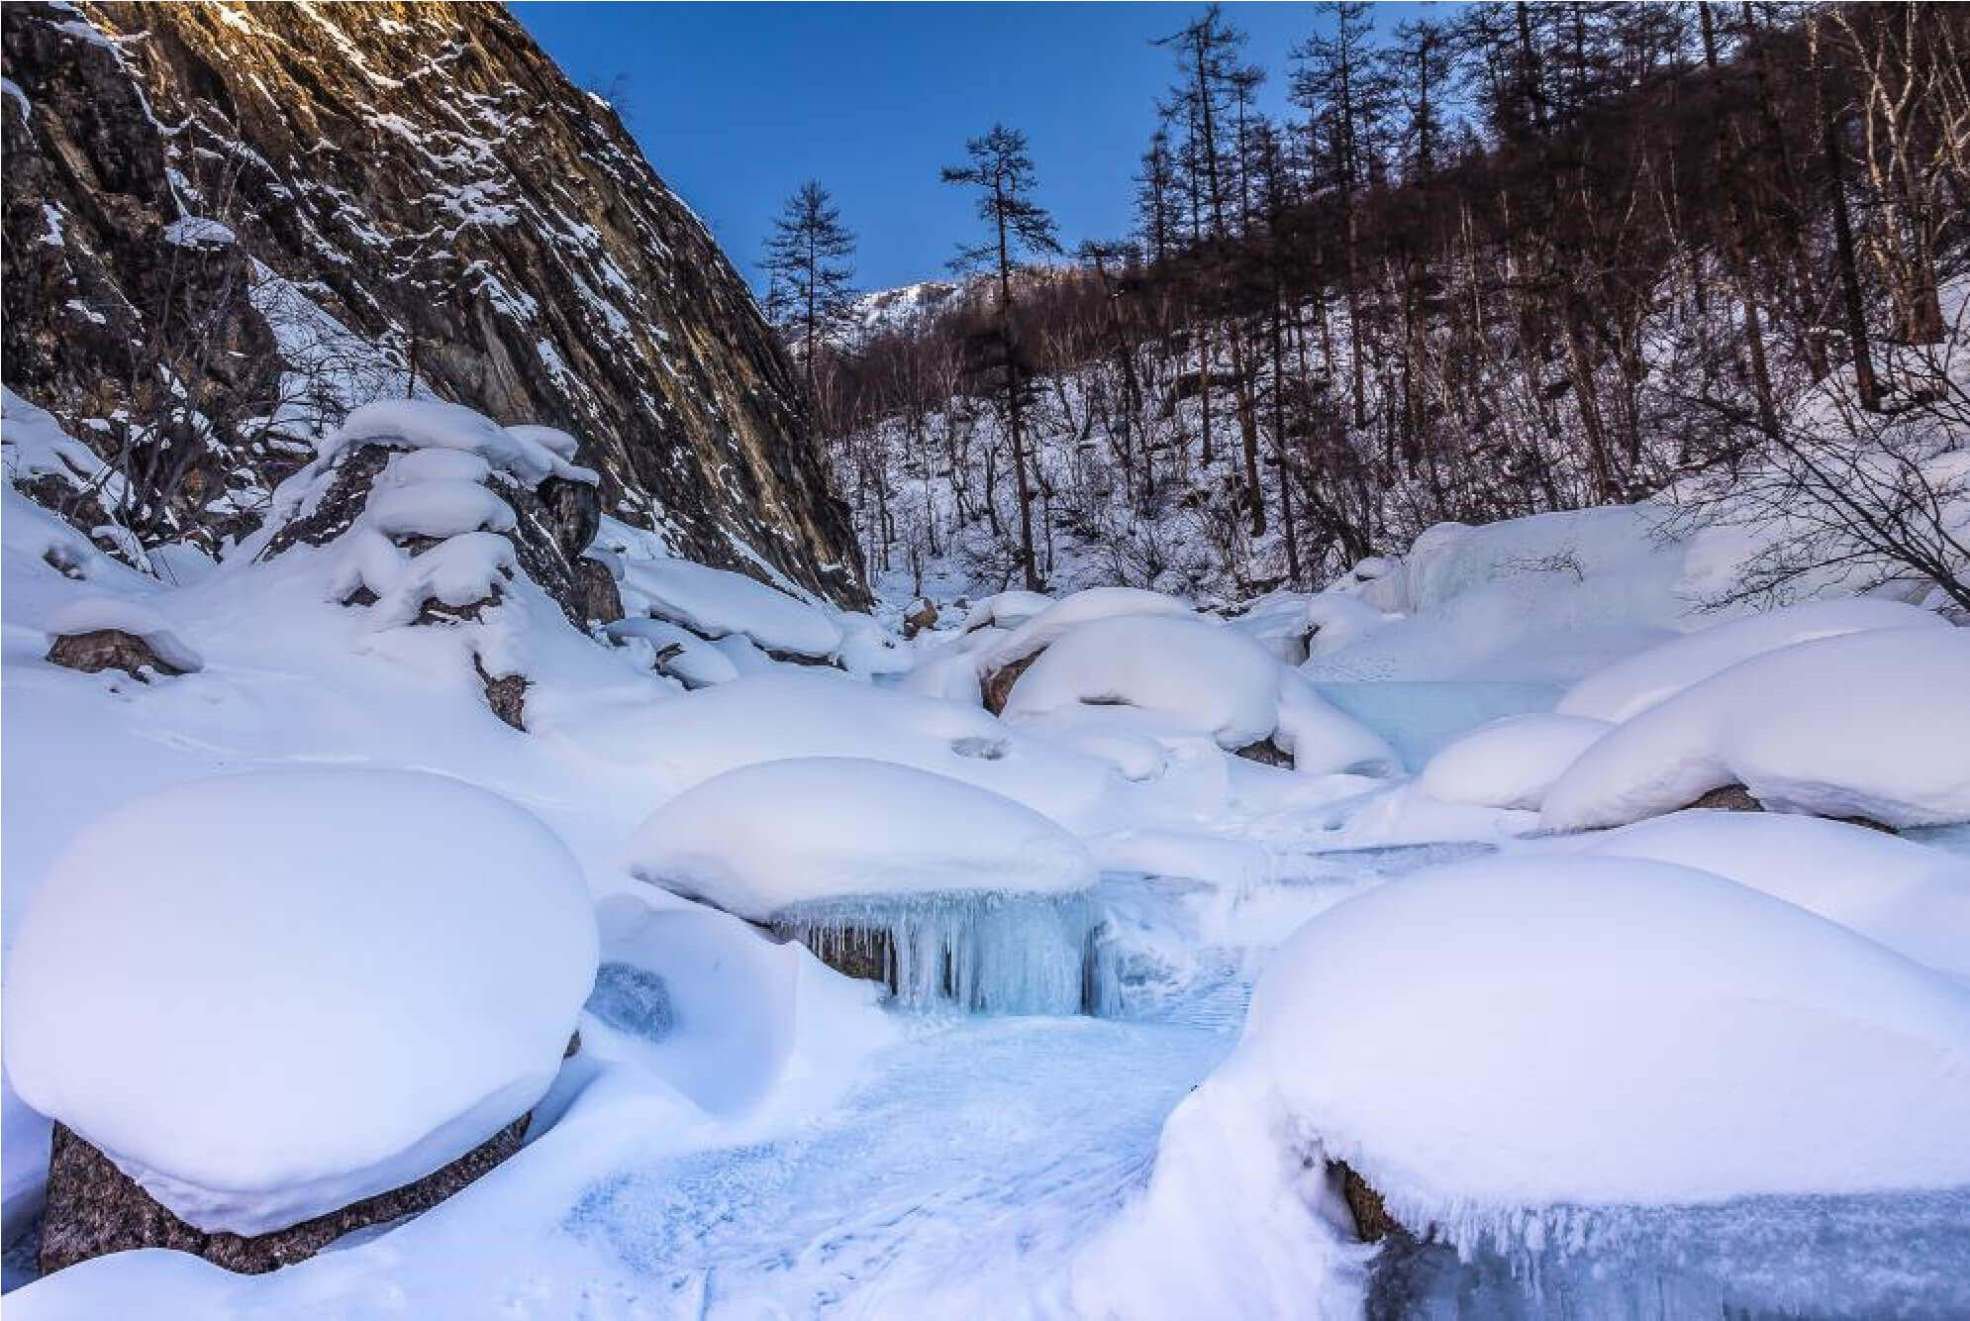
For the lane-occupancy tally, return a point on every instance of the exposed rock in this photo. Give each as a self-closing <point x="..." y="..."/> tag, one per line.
<point x="996" y="686"/>
<point x="1730" y="798"/>
<point x="922" y="615"/>
<point x="1736" y="798"/>
<point x="94" y="1208"/>
<point x="601" y="599"/>
<point x="341" y="192"/>
<point x="1372" y="1221"/>
<point x="1267" y="753"/>
<point x="506" y="695"/>
<point x="108" y="649"/>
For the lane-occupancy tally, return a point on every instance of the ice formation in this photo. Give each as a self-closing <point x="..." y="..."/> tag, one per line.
<point x="1873" y="724"/>
<point x="943" y="890"/>
<point x="267" y="996"/>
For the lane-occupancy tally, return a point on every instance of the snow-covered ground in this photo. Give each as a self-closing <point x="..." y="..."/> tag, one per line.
<point x="1705" y="1062"/>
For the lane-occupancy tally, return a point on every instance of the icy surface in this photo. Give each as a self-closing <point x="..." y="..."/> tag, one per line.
<point x="199" y="987"/>
<point x="1510" y="762"/>
<point x="1873" y="724"/>
<point x="1630" y="687"/>
<point x="755" y="840"/>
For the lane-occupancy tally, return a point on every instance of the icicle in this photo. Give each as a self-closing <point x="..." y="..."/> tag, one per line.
<point x="985" y="952"/>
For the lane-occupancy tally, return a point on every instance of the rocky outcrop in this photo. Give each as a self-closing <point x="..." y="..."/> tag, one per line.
<point x="109" y="649"/>
<point x="93" y="1208"/>
<point x="227" y="225"/>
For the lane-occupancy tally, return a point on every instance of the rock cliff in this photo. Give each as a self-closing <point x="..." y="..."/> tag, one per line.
<point x="228" y="225"/>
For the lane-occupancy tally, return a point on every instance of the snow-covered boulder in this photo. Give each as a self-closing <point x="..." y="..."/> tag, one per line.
<point x="677" y="652"/>
<point x="115" y="632"/>
<point x="942" y="889"/>
<point x="1000" y="666"/>
<point x="1629" y="687"/>
<point x="1208" y="679"/>
<point x="1007" y="610"/>
<point x="418" y="424"/>
<point x="1909" y="897"/>
<point x="1510" y="762"/>
<point x="1547" y="1003"/>
<point x="1873" y="724"/>
<point x="266" y="997"/>
<point x="847" y="827"/>
<point x="716" y="603"/>
<point x="819" y="713"/>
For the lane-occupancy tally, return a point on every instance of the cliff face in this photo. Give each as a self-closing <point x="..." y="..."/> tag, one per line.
<point x="228" y="224"/>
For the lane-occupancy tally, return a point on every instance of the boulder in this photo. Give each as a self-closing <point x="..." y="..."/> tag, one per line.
<point x="95" y="1208"/>
<point x="109" y="649"/>
<point x="922" y="615"/>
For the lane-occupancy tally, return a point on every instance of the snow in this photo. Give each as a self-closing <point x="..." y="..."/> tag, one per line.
<point x="1605" y="1031"/>
<point x="716" y="603"/>
<point x="1510" y="762"/>
<point x="197" y="232"/>
<point x="435" y="424"/>
<point x="1912" y="899"/>
<point x="1628" y="688"/>
<point x="1207" y="678"/>
<point x="693" y="662"/>
<point x="789" y="713"/>
<point x="758" y="839"/>
<point x="91" y="614"/>
<point x="1872" y="724"/>
<point x="1041" y="630"/>
<point x="270" y="995"/>
<point x="1007" y="610"/>
<point x="550" y="438"/>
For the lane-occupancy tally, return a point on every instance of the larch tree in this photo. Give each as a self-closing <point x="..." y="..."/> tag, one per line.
<point x="808" y="257"/>
<point x="1000" y="172"/>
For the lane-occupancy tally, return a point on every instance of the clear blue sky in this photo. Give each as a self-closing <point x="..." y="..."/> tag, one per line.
<point x="736" y="104"/>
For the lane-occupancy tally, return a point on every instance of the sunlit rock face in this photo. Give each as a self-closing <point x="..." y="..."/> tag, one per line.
<point x="326" y="192"/>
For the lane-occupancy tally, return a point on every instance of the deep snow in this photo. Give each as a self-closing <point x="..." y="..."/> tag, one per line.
<point x="746" y="1132"/>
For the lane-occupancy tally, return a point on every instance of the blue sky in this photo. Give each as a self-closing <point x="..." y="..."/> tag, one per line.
<point x="736" y="104"/>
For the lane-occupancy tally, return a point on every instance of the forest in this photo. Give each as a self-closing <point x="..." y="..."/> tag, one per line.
<point x="1518" y="259"/>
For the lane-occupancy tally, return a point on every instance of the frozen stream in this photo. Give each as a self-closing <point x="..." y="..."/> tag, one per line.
<point x="957" y="1180"/>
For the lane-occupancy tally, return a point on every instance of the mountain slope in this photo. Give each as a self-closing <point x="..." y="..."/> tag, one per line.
<point x="226" y="225"/>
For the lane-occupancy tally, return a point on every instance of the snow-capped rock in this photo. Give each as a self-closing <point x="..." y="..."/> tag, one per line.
<point x="268" y="996"/>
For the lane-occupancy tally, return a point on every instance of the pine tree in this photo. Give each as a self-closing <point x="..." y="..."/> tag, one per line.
<point x="1002" y="173"/>
<point x="808" y="257"/>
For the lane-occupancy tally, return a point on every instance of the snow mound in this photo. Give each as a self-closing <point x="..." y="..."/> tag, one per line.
<point x="1909" y="897"/>
<point x="1510" y="762"/>
<point x="1873" y="724"/>
<point x="268" y="996"/>
<point x="677" y="652"/>
<point x="717" y="604"/>
<point x="1628" y="688"/>
<point x="1529" y="1032"/>
<point x="1007" y="610"/>
<point x="551" y="438"/>
<point x="757" y="840"/>
<point x="1209" y="679"/>
<point x="791" y="713"/>
<point x="1043" y="629"/>
<point x="434" y="424"/>
<point x="92" y="614"/>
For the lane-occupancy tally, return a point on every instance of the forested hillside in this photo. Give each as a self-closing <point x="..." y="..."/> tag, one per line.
<point x="1515" y="259"/>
